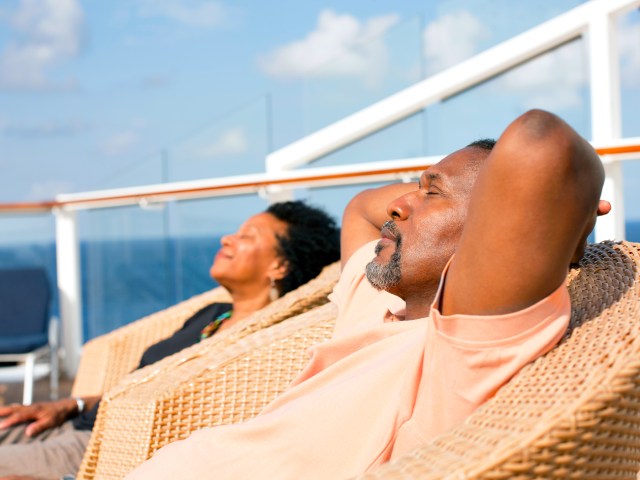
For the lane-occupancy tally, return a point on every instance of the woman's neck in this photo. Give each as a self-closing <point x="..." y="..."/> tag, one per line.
<point x="245" y="305"/>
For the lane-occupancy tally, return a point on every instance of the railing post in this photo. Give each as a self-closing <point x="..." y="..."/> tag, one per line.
<point x="275" y="193"/>
<point x="605" y="115"/>
<point x="69" y="286"/>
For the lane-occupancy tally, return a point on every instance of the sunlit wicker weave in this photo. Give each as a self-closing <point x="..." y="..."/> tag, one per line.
<point x="574" y="413"/>
<point x="219" y="386"/>
<point x="108" y="358"/>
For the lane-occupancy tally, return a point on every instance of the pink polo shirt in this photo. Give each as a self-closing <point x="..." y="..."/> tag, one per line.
<point x="375" y="391"/>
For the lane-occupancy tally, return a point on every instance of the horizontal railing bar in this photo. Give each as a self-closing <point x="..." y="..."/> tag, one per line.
<point x="234" y="185"/>
<point x="624" y="149"/>
<point x="27" y="207"/>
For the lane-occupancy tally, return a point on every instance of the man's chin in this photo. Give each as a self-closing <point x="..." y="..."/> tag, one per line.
<point x="380" y="275"/>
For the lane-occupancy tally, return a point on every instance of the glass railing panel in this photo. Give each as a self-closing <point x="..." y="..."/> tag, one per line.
<point x="403" y="139"/>
<point x="631" y="176"/>
<point x="150" y="170"/>
<point x="374" y="67"/>
<point x="556" y="81"/>
<point x="629" y="46"/>
<point x="125" y="266"/>
<point x="235" y="144"/>
<point x="29" y="241"/>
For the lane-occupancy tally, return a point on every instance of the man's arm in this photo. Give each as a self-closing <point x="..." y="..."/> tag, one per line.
<point x="364" y="215"/>
<point x="534" y="203"/>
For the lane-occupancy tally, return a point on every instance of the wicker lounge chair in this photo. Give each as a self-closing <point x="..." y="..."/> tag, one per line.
<point x="197" y="388"/>
<point x="108" y="358"/>
<point x="574" y="413"/>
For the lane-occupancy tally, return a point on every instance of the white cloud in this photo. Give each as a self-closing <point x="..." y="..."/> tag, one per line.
<point x="451" y="38"/>
<point x="119" y="143"/>
<point x="47" y="32"/>
<point x="230" y="142"/>
<point x="551" y="81"/>
<point x="340" y="46"/>
<point x="194" y="13"/>
<point x="629" y="44"/>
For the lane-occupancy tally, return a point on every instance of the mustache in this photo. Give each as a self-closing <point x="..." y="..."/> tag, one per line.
<point x="391" y="227"/>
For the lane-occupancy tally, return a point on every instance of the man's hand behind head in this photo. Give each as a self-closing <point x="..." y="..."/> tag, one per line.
<point x="534" y="203"/>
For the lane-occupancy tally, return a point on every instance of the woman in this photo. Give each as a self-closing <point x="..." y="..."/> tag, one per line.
<point x="271" y="254"/>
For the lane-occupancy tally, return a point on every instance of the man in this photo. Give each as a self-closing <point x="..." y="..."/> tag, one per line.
<point x="516" y="216"/>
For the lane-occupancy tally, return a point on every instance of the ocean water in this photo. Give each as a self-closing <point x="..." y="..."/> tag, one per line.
<point x="124" y="281"/>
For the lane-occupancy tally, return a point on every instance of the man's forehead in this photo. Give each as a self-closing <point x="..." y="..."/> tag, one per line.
<point x="454" y="165"/>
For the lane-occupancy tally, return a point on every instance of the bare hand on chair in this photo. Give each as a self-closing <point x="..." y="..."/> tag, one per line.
<point x="42" y="415"/>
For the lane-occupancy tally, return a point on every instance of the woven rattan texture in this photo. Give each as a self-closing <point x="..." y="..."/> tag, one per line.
<point x="226" y="386"/>
<point x="155" y="379"/>
<point x="108" y="358"/>
<point x="575" y="412"/>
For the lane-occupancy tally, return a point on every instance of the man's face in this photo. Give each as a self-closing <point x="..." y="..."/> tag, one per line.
<point x="425" y="227"/>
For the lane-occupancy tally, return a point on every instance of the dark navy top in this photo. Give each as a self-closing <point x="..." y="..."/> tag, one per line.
<point x="188" y="335"/>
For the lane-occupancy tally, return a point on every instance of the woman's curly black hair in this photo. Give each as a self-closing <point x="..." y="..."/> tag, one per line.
<point x="311" y="243"/>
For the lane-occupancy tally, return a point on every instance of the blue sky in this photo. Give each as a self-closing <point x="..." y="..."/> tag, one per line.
<point x="91" y="92"/>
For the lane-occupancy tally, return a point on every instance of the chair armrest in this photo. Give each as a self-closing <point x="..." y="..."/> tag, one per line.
<point x="221" y="385"/>
<point x="108" y="358"/>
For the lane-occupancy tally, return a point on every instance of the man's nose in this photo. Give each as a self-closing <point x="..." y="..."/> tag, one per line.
<point x="399" y="209"/>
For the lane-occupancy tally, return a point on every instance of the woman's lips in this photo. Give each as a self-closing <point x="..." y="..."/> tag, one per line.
<point x="221" y="255"/>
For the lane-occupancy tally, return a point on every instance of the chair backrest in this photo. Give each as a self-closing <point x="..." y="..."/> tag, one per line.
<point x="24" y="309"/>
<point x="574" y="412"/>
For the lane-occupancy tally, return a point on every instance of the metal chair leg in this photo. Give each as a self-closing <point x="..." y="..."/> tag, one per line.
<point x="54" y="375"/>
<point x="54" y="346"/>
<point x="29" y="368"/>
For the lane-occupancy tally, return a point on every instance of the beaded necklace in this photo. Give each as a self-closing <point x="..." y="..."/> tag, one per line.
<point x="214" y="325"/>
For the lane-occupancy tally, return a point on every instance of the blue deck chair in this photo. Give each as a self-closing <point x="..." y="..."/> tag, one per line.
<point x="27" y="334"/>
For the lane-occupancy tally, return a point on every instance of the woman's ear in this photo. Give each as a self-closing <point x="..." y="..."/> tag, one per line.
<point x="280" y="269"/>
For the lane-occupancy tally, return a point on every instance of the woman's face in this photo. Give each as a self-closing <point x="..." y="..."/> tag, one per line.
<point x="249" y="258"/>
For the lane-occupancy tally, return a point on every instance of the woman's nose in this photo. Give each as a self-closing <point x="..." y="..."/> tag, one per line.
<point x="226" y="240"/>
